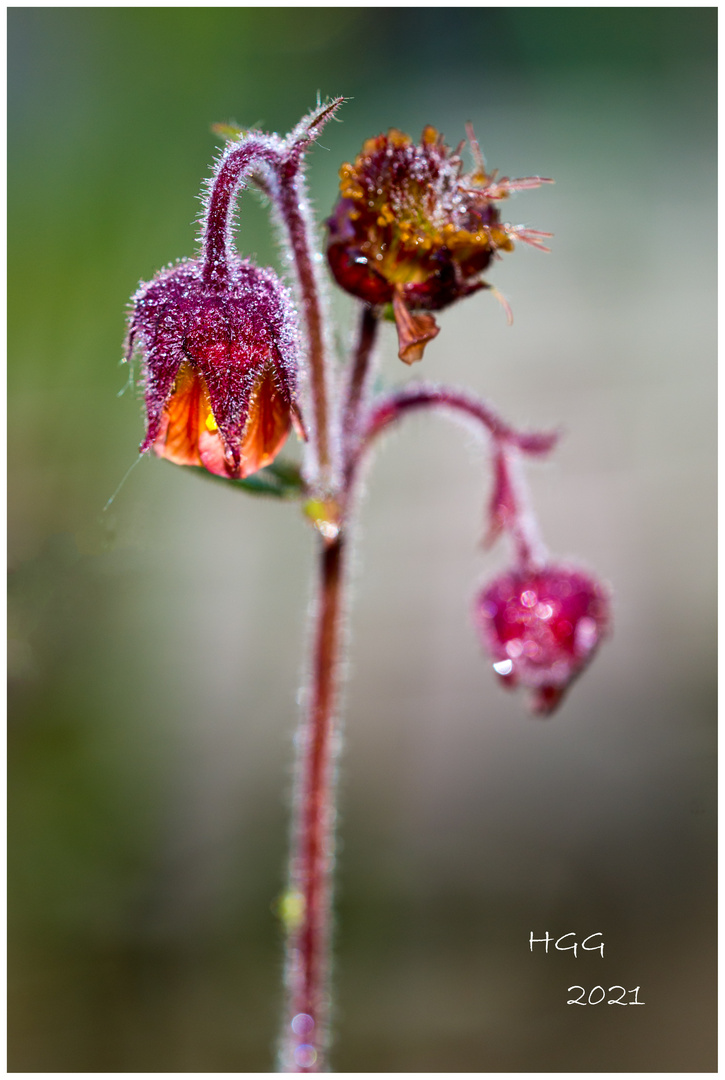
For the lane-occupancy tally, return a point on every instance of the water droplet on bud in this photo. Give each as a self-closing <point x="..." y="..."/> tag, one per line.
<point x="503" y="667"/>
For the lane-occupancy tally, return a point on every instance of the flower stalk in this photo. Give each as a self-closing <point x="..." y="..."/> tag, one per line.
<point x="417" y="396"/>
<point x="292" y="199"/>
<point x="305" y="1034"/>
<point x="255" y="153"/>
<point x="360" y="369"/>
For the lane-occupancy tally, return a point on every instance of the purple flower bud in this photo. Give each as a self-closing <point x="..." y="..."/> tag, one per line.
<point x="219" y="366"/>
<point x="542" y="627"/>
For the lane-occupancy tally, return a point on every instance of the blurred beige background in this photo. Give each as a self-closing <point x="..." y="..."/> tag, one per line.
<point x="156" y="648"/>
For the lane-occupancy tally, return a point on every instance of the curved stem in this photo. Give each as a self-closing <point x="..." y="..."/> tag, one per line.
<point x="235" y="166"/>
<point x="304" y="1036"/>
<point x="510" y="506"/>
<point x="386" y="410"/>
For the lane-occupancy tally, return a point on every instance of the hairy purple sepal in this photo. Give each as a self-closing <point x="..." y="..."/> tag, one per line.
<point x="229" y="337"/>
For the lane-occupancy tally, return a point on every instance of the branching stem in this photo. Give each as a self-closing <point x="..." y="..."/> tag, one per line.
<point x="510" y="507"/>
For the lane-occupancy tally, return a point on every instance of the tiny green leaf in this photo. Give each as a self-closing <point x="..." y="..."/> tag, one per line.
<point x="281" y="480"/>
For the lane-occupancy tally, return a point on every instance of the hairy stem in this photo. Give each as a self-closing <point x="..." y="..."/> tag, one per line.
<point x="308" y="917"/>
<point x="511" y="509"/>
<point x="236" y="165"/>
<point x="296" y="215"/>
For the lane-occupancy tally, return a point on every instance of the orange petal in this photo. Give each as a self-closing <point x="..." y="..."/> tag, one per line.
<point x="189" y="435"/>
<point x="267" y="426"/>
<point x="414" y="331"/>
<point x="187" y="421"/>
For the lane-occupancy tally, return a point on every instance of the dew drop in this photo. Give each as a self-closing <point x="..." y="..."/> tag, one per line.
<point x="585" y="635"/>
<point x="302" y="1024"/>
<point x="329" y="529"/>
<point x="305" y="1056"/>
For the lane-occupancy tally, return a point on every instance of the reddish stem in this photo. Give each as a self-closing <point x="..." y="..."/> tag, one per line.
<point x="298" y="219"/>
<point x="305" y="1034"/>
<point x="217" y="245"/>
<point x="427" y="395"/>
<point x="357" y="386"/>
<point x="510" y="507"/>
<point x="293" y="208"/>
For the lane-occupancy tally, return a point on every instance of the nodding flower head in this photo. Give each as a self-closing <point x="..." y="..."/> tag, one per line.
<point x="413" y="230"/>
<point x="219" y="366"/>
<point x="542" y="628"/>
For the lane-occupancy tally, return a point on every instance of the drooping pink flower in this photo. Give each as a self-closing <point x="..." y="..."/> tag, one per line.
<point x="219" y="366"/>
<point x="542" y="627"/>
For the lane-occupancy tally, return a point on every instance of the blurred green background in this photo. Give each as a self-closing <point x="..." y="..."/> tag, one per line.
<point x="155" y="648"/>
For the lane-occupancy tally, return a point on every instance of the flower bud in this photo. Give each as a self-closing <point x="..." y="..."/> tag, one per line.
<point x="219" y="366"/>
<point x="542" y="628"/>
<point x="413" y="230"/>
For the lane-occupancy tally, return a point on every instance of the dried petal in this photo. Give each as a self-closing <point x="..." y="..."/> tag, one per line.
<point x="414" y="331"/>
